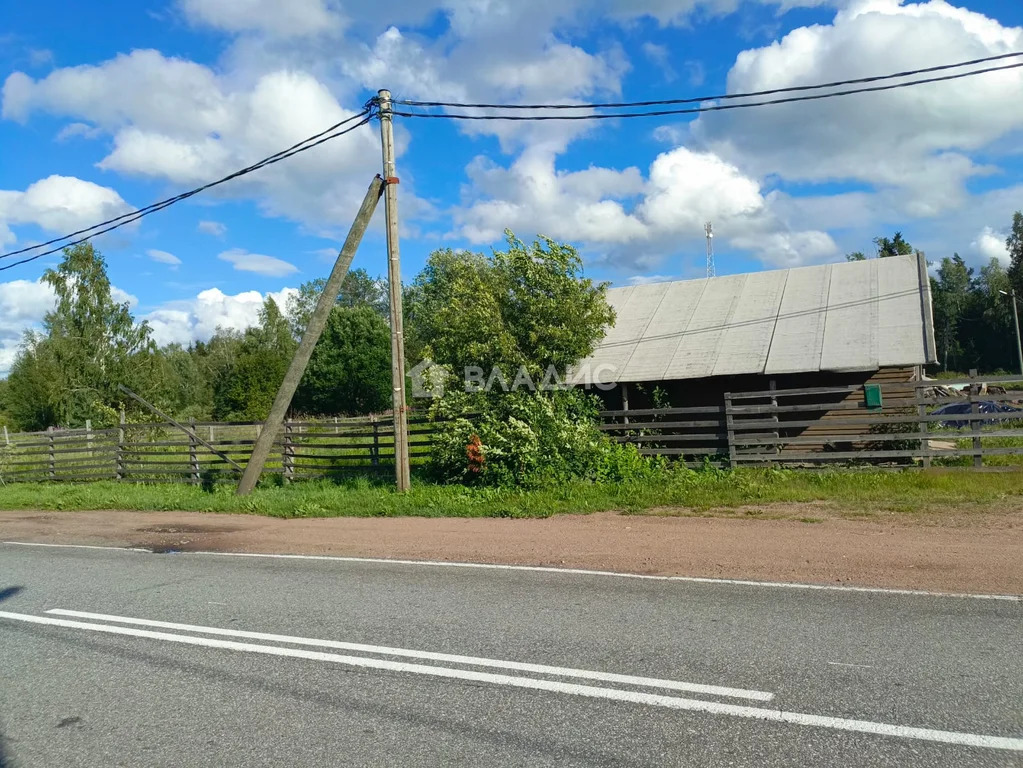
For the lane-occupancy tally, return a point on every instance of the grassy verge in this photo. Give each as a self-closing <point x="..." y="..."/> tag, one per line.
<point x="695" y="492"/>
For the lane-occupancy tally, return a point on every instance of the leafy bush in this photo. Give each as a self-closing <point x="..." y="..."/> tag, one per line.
<point x="527" y="439"/>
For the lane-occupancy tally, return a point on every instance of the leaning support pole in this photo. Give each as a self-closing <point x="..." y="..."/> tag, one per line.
<point x="272" y="425"/>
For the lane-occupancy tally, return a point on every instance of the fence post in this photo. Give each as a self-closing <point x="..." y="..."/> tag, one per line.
<point x="88" y="436"/>
<point x="7" y="437"/>
<point x="375" y="455"/>
<point x="53" y="458"/>
<point x="288" y="453"/>
<point x="730" y="424"/>
<point x="119" y="456"/>
<point x="978" y="446"/>
<point x="923" y="426"/>
<point x="773" y="385"/>
<point x="193" y="456"/>
<point x="625" y="402"/>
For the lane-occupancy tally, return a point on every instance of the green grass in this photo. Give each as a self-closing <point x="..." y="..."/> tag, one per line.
<point x="674" y="491"/>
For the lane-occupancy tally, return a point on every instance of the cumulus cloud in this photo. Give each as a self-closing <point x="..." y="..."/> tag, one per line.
<point x="23" y="304"/>
<point x="268" y="266"/>
<point x="631" y="215"/>
<point x="183" y="322"/>
<point x="291" y="19"/>
<point x="991" y="245"/>
<point x="214" y="228"/>
<point x="179" y="121"/>
<point x="58" y="204"/>
<point x="916" y="140"/>
<point x="163" y="257"/>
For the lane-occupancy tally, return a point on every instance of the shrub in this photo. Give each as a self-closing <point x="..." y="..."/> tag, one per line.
<point x="527" y="439"/>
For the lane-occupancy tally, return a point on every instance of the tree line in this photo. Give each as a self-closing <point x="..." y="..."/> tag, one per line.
<point x="521" y="306"/>
<point x="971" y="308"/>
<point x="527" y="307"/>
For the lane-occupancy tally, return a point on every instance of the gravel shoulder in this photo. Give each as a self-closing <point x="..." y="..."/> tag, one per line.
<point x="948" y="551"/>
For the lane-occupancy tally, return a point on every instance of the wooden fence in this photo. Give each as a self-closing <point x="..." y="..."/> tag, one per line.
<point x="824" y="426"/>
<point x="693" y="435"/>
<point x="837" y="425"/>
<point x="163" y="453"/>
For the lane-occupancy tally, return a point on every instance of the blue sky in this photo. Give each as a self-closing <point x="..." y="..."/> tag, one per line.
<point x="177" y="92"/>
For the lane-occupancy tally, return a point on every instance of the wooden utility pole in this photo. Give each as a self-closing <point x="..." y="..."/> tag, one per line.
<point x="401" y="455"/>
<point x="317" y="322"/>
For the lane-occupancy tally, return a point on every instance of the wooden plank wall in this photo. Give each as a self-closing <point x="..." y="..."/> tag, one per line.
<point x="899" y="399"/>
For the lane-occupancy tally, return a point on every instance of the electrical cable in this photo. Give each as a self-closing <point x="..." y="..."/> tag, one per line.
<point x="710" y="108"/>
<point x="721" y="97"/>
<point x="132" y="216"/>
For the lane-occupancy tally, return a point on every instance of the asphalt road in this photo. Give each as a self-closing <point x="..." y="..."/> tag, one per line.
<point x="342" y="663"/>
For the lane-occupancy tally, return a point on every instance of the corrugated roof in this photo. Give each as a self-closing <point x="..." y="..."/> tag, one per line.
<point x="853" y="316"/>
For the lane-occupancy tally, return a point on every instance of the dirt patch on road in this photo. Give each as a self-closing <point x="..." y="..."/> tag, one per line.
<point x="952" y="551"/>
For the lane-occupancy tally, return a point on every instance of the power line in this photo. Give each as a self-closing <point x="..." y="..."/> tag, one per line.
<point x="720" y="97"/>
<point x="710" y="108"/>
<point x="132" y="216"/>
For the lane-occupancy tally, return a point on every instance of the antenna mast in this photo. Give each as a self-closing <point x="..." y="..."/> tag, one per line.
<point x="709" y="229"/>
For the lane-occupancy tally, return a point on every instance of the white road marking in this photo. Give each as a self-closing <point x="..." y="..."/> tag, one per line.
<point x="832" y="663"/>
<point x="548" y="569"/>
<point x="541" y="669"/>
<point x="78" y="546"/>
<point x="611" y="694"/>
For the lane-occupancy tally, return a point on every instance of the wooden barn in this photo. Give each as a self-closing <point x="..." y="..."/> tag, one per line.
<point x="685" y="344"/>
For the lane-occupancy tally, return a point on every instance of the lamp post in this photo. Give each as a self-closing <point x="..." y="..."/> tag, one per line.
<point x="1015" y="317"/>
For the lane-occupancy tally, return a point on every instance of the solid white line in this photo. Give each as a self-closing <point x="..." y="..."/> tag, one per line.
<point x="571" y="571"/>
<point x="77" y="546"/>
<point x="542" y="669"/>
<point x="636" y="697"/>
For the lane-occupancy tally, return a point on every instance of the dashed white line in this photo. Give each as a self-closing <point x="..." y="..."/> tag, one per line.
<point x="611" y="694"/>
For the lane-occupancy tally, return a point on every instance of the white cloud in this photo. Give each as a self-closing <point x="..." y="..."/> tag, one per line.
<point x="991" y="245"/>
<point x="278" y="19"/>
<point x="648" y="279"/>
<point x="179" y="121"/>
<point x="531" y="196"/>
<point x="244" y="261"/>
<point x="214" y="228"/>
<point x="40" y="57"/>
<point x="123" y="297"/>
<point x="632" y="218"/>
<point x="183" y="322"/>
<point x="163" y="257"/>
<point x="23" y="303"/>
<point x="58" y="204"/>
<point x="916" y="140"/>
<point x="73" y="130"/>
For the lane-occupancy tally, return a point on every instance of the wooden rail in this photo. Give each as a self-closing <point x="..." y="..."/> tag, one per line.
<point x="162" y="452"/>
